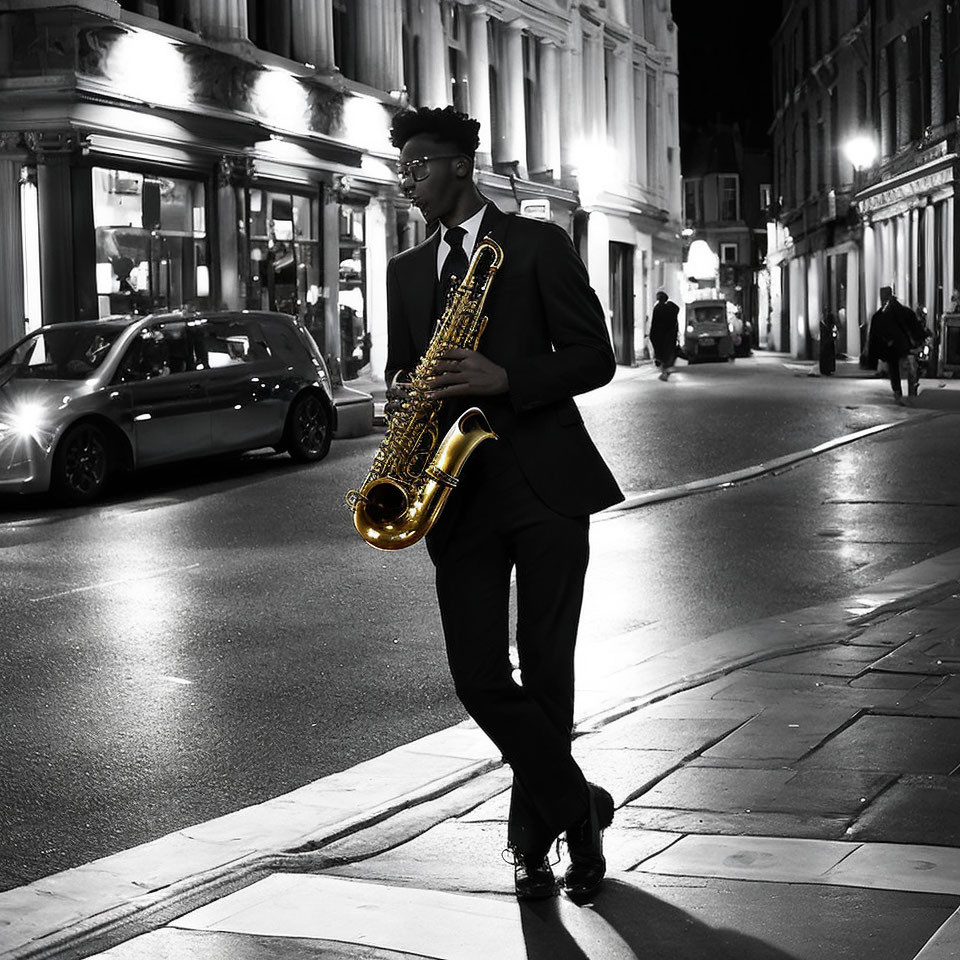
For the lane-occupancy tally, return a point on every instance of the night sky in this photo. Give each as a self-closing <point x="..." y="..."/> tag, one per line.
<point x="725" y="63"/>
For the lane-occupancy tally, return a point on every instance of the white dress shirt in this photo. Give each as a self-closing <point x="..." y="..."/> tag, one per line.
<point x="472" y="228"/>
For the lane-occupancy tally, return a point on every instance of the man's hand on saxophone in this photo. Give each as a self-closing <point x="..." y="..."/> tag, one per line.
<point x="398" y="393"/>
<point x="466" y="373"/>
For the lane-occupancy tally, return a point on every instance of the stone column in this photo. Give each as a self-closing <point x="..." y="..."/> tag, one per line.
<point x="380" y="45"/>
<point x="513" y="145"/>
<point x="871" y="296"/>
<point x="644" y="176"/>
<point x="478" y="78"/>
<point x="571" y="113"/>
<point x="313" y="32"/>
<point x="434" y="82"/>
<point x="550" y="106"/>
<point x="621" y="93"/>
<point x="594" y="99"/>
<point x="929" y="240"/>
<point x="220" y="19"/>
<point x="11" y="255"/>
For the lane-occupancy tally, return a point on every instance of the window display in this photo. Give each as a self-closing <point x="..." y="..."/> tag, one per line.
<point x="284" y="256"/>
<point x="152" y="246"/>
<point x="354" y="337"/>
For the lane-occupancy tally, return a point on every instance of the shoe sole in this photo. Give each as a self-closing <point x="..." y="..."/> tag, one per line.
<point x="544" y="895"/>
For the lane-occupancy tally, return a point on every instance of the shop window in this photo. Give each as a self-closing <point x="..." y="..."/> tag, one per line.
<point x="151" y="239"/>
<point x="354" y="336"/>
<point x="284" y="272"/>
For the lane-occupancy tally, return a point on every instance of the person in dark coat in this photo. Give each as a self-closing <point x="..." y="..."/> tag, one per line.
<point x="524" y="499"/>
<point x="894" y="331"/>
<point x="664" y="331"/>
<point x="828" y="343"/>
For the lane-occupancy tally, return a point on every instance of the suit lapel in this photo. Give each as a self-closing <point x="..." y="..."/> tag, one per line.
<point x="424" y="291"/>
<point x="493" y="222"/>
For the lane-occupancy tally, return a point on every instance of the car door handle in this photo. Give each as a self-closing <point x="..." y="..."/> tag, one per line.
<point x="195" y="387"/>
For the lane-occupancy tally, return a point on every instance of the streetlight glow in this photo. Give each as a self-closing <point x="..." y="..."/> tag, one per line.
<point x="861" y="151"/>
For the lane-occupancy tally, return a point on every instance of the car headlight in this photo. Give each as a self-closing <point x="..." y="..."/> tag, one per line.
<point x="23" y="421"/>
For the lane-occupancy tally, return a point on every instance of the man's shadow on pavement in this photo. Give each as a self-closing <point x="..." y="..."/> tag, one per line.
<point x="626" y="923"/>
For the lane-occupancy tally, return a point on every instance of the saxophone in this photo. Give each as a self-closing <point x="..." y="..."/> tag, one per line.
<point x="412" y="474"/>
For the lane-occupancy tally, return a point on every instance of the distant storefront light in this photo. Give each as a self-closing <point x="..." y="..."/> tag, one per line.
<point x="702" y="263"/>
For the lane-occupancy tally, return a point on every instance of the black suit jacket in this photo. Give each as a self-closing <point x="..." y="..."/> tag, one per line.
<point x="546" y="328"/>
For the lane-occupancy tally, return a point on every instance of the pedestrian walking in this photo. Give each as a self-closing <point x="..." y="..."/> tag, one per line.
<point x="664" y="332"/>
<point x="828" y="343"/>
<point x="523" y="500"/>
<point x="894" y="333"/>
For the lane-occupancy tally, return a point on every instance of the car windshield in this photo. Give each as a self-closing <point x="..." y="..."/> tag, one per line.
<point x="717" y="314"/>
<point x="69" y="353"/>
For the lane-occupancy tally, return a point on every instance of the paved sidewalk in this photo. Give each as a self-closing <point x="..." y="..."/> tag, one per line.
<point x="792" y="800"/>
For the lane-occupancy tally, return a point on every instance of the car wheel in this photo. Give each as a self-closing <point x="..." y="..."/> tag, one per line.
<point x="81" y="464"/>
<point x="308" y="429"/>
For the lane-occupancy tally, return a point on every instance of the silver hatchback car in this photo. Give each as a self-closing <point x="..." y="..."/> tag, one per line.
<point x="79" y="401"/>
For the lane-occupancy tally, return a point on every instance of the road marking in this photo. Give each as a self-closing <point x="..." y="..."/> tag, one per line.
<point x="113" y="583"/>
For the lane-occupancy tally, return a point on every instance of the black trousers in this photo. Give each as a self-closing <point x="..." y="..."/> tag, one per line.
<point x="500" y="524"/>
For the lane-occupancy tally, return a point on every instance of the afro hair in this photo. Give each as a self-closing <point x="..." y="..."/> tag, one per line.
<point x="442" y="124"/>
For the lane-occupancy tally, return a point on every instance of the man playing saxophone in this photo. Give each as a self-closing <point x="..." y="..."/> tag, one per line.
<point x="523" y="499"/>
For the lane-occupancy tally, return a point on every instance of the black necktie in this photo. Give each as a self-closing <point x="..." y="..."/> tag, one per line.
<point x="456" y="263"/>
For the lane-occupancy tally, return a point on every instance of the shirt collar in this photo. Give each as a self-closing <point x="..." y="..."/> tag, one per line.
<point x="471" y="228"/>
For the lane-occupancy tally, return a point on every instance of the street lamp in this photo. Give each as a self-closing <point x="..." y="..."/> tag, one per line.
<point x="861" y="151"/>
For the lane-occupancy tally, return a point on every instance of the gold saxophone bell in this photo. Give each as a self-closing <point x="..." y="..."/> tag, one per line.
<point x="412" y="474"/>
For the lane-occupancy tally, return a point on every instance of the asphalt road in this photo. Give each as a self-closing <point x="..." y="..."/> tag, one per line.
<point x="216" y="634"/>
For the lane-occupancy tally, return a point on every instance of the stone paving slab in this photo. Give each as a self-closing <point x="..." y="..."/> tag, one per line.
<point x="888" y="866"/>
<point x="783" y="733"/>
<point x="170" y="943"/>
<point x="931" y="653"/>
<point x="945" y="943"/>
<point x="809" y="826"/>
<point x="847" y="660"/>
<point x="900" y="744"/>
<point x="640" y="731"/>
<point x="438" y="924"/>
<point x="916" y="809"/>
<point x="737" y="790"/>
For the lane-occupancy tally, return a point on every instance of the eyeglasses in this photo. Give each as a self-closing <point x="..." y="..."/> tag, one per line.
<point x="418" y="168"/>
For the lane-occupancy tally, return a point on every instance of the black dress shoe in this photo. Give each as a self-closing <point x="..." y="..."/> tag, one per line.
<point x="533" y="877"/>
<point x="585" y="844"/>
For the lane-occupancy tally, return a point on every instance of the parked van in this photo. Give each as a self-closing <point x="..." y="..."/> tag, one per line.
<point x="708" y="334"/>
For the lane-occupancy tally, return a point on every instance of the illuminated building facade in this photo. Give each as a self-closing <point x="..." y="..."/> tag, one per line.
<point x="865" y="164"/>
<point x="236" y="153"/>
